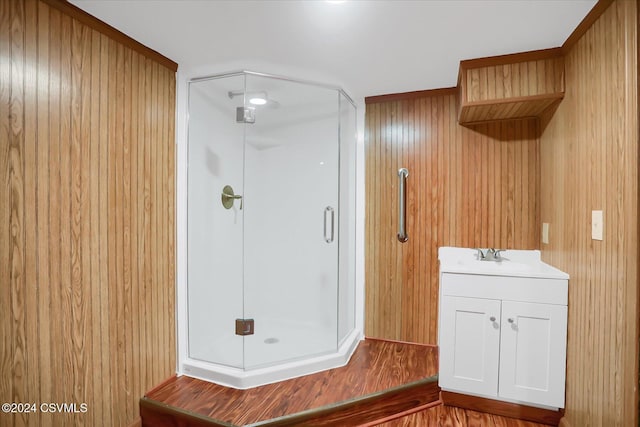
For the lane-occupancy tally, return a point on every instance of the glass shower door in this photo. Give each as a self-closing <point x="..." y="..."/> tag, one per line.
<point x="215" y="223"/>
<point x="291" y="219"/>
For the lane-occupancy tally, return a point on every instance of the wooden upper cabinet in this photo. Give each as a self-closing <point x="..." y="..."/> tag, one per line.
<point x="510" y="86"/>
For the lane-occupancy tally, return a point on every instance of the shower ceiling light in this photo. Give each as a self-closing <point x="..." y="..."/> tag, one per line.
<point x="257" y="100"/>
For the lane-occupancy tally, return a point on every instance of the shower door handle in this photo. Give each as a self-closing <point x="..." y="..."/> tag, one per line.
<point x="403" y="173"/>
<point x="328" y="237"/>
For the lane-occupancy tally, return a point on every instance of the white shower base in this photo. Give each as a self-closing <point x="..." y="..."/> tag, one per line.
<point x="244" y="379"/>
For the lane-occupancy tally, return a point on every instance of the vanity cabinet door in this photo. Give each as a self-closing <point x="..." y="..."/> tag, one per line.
<point x="532" y="352"/>
<point x="469" y="339"/>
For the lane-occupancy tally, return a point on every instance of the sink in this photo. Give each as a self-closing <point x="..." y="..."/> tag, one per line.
<point x="515" y="263"/>
<point x="503" y="265"/>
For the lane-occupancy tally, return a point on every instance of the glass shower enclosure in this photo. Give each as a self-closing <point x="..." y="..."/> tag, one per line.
<point x="270" y="228"/>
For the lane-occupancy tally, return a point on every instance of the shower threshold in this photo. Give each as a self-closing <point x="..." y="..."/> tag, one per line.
<point x="245" y="379"/>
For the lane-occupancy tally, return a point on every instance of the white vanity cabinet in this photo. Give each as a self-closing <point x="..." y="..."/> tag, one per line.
<point x="503" y="337"/>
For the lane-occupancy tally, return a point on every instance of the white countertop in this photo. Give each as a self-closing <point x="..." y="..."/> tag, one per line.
<point x="516" y="263"/>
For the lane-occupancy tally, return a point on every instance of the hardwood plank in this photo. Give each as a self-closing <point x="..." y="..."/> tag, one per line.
<point x="31" y="182"/>
<point x="112" y="300"/>
<point x="148" y="249"/>
<point x="54" y="196"/>
<point x="66" y="194"/>
<point x="94" y="281"/>
<point x="154" y="221"/>
<point x="170" y="227"/>
<point x="81" y="216"/>
<point x="6" y="335"/>
<point x="104" y="222"/>
<point x="44" y="162"/>
<point x="140" y="200"/>
<point x="16" y="202"/>
<point x="135" y="318"/>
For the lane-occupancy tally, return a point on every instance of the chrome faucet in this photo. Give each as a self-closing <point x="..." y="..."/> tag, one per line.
<point x="489" y="254"/>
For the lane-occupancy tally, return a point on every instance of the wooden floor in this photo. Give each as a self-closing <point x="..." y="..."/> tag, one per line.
<point x="375" y="366"/>
<point x="448" y="416"/>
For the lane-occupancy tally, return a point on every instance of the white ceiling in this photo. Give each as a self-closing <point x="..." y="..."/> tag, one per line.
<point x="366" y="47"/>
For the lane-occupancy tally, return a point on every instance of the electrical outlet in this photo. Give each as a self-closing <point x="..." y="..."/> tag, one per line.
<point x="545" y="233"/>
<point x="597" y="225"/>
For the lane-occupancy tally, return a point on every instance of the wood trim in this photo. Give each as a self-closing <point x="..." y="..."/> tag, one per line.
<point x="136" y="423"/>
<point x="401" y="342"/>
<point x="512" y="58"/>
<point x="535" y="106"/>
<point x="585" y="24"/>
<point x="636" y="388"/>
<point x="403" y="414"/>
<point x="462" y="92"/>
<point x="157" y="414"/>
<point x="109" y="31"/>
<point x="368" y="409"/>
<point x="545" y="96"/>
<point x="410" y="95"/>
<point x="505" y="409"/>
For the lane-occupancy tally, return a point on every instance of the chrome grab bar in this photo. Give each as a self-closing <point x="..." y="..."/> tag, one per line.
<point x="327" y="210"/>
<point x="403" y="173"/>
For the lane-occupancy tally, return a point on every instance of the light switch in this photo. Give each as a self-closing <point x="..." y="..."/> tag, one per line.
<point x="545" y="232"/>
<point x="597" y="225"/>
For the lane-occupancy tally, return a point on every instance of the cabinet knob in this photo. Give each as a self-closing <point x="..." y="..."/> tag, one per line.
<point x="510" y="320"/>
<point x="492" y="318"/>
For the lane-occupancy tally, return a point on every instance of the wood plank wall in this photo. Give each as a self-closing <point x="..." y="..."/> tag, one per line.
<point x="589" y="157"/>
<point x="469" y="187"/>
<point x="86" y="219"/>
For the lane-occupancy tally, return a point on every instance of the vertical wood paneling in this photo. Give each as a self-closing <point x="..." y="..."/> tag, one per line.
<point x="17" y="209"/>
<point x="31" y="288"/>
<point x="86" y="219"/>
<point x="589" y="161"/>
<point x="43" y="213"/>
<point x="466" y="187"/>
<point x="6" y="377"/>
